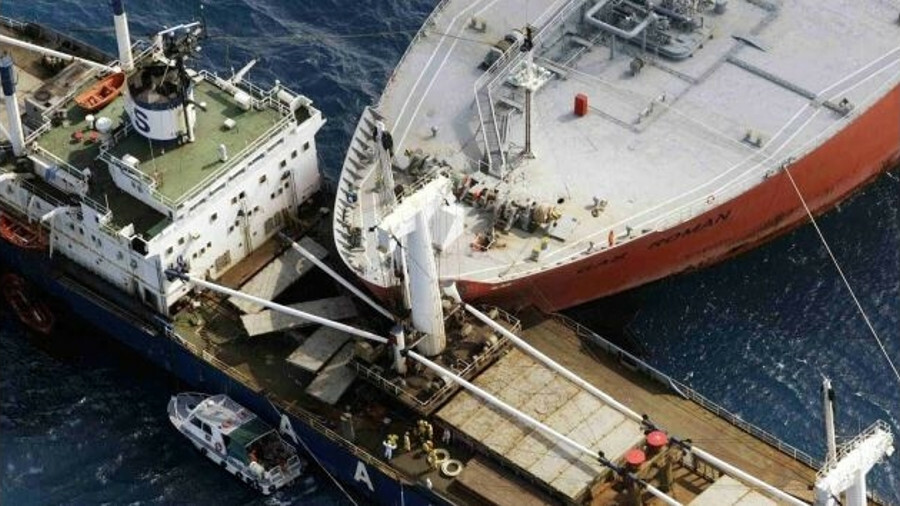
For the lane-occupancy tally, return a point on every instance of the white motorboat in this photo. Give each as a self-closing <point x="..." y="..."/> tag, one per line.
<point x="238" y="440"/>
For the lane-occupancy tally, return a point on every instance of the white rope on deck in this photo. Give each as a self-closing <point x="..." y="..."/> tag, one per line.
<point x="840" y="271"/>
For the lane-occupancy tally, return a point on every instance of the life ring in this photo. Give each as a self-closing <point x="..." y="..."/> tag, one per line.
<point x="441" y="455"/>
<point x="710" y="199"/>
<point x="219" y="447"/>
<point x="451" y="468"/>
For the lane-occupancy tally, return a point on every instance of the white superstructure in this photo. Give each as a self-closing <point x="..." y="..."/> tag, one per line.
<point x="184" y="168"/>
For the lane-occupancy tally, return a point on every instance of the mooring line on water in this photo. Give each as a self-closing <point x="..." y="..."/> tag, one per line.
<point x="837" y="266"/>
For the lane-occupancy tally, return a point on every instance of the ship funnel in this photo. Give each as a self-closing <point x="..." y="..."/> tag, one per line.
<point x="123" y="37"/>
<point x="16" y="133"/>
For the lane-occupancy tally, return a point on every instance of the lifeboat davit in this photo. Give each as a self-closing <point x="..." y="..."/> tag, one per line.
<point x="33" y="313"/>
<point x="102" y="93"/>
<point x="21" y="234"/>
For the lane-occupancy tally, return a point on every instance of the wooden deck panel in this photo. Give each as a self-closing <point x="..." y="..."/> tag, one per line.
<point x="493" y="486"/>
<point x="678" y="416"/>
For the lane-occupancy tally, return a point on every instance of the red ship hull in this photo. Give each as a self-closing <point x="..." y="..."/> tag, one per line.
<point x="862" y="150"/>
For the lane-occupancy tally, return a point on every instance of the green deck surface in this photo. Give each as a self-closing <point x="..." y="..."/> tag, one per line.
<point x="178" y="168"/>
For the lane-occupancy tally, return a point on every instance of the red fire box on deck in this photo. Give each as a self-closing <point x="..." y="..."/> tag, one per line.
<point x="581" y="104"/>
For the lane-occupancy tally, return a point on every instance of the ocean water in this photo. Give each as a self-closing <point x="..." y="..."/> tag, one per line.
<point x="83" y="421"/>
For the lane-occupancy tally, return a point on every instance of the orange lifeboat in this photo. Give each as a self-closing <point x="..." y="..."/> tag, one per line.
<point x="102" y="93"/>
<point x="33" y="313"/>
<point x="21" y="234"/>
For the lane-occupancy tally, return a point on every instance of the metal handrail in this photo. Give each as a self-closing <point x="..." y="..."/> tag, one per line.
<point x="688" y="393"/>
<point x="12" y="23"/>
<point x="422" y="29"/>
<point x="59" y="162"/>
<point x="148" y="181"/>
<point x="233" y="162"/>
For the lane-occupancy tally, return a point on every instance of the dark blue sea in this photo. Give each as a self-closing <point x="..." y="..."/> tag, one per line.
<point x="82" y="421"/>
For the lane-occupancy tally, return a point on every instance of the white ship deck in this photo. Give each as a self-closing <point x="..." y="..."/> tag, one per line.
<point x="659" y="147"/>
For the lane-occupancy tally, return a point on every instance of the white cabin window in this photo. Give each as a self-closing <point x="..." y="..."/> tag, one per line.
<point x="294" y="154"/>
<point x="305" y="145"/>
<point x="214" y="217"/>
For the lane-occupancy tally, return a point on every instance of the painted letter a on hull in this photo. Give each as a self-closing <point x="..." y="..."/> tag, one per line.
<point x="362" y="475"/>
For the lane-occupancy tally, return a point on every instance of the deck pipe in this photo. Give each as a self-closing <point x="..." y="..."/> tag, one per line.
<point x="123" y="37"/>
<point x="337" y="277"/>
<point x="16" y="133"/>
<point x="528" y="420"/>
<point x="276" y="307"/>
<point x="5" y="39"/>
<point x="574" y="378"/>
<point x="589" y="17"/>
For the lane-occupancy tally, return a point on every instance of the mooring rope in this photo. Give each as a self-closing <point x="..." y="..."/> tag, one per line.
<point x="837" y="266"/>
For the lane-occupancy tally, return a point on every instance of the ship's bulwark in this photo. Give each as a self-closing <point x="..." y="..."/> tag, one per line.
<point x="861" y="151"/>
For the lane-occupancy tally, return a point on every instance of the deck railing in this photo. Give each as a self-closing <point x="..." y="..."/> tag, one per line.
<point x="144" y="179"/>
<point x="239" y="158"/>
<point x="445" y="391"/>
<point x="12" y="23"/>
<point x="422" y="29"/>
<point x="686" y="392"/>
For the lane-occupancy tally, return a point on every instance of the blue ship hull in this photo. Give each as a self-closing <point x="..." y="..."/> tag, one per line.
<point x="151" y="341"/>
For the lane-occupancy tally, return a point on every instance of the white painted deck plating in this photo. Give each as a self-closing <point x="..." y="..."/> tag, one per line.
<point x="655" y="169"/>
